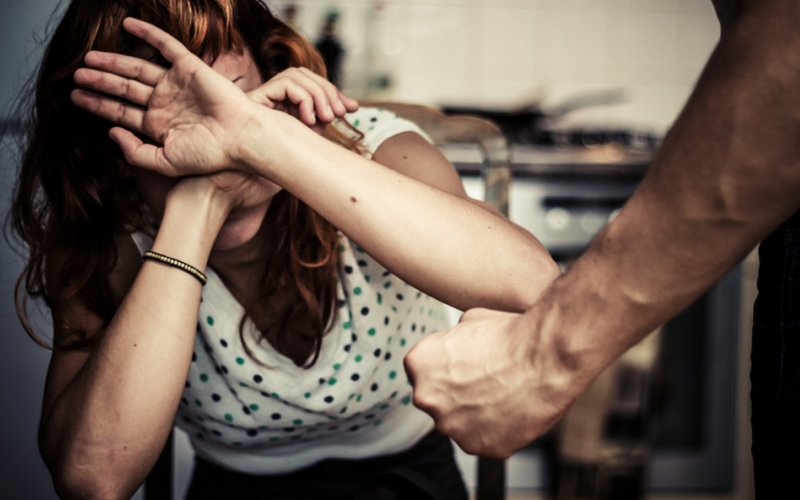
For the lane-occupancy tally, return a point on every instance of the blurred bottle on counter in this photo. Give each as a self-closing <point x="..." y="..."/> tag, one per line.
<point x="330" y="47"/>
<point x="289" y="14"/>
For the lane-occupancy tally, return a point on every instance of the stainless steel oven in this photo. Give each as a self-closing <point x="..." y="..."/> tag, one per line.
<point x="564" y="196"/>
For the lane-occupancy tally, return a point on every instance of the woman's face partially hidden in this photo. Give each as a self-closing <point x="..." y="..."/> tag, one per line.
<point x="244" y="221"/>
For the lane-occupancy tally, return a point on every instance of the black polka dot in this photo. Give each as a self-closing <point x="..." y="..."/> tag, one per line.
<point x="252" y="432"/>
<point x="423" y="328"/>
<point x="362" y="263"/>
<point x="329" y="399"/>
<point x="354" y="377"/>
<point x="288" y="429"/>
<point x="187" y="420"/>
<point x="385" y="274"/>
<point x="419" y="294"/>
<point x="200" y="436"/>
<point x="354" y="337"/>
<point x="353" y="429"/>
<point x="258" y="379"/>
<point x="386" y="320"/>
<point x="223" y="342"/>
<point x="365" y="310"/>
<point x="394" y="395"/>
<point x="322" y="381"/>
<point x="388" y="356"/>
<point x="187" y="384"/>
<point x="184" y="401"/>
<point x="233" y="391"/>
<point x="399" y="296"/>
<point x="216" y="397"/>
<point x="347" y="348"/>
<point x="348" y="269"/>
<point x="218" y="370"/>
<point x="343" y="410"/>
<point x="374" y="387"/>
<point x="199" y="418"/>
<point x="413" y="327"/>
<point x="194" y="357"/>
<point x="224" y="369"/>
<point x="369" y="416"/>
<point x="266" y="394"/>
<point x="275" y="416"/>
<point x="340" y="303"/>
<point x="373" y="119"/>
<point x="296" y="437"/>
<point x="377" y="353"/>
<point x="216" y="433"/>
<point x="207" y="348"/>
<point x="246" y="410"/>
<point x="333" y="427"/>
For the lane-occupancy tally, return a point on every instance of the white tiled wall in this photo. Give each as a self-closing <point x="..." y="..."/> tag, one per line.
<point x="512" y="52"/>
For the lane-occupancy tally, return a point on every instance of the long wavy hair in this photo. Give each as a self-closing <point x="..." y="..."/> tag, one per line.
<point x="74" y="191"/>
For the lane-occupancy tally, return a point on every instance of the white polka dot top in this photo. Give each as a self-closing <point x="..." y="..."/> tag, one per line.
<point x="354" y="402"/>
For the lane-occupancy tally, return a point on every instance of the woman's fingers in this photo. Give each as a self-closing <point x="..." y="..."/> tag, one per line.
<point x="126" y="115"/>
<point x="140" y="154"/>
<point x="330" y="91"/>
<point x="166" y="44"/>
<point x="108" y="83"/>
<point x="127" y="66"/>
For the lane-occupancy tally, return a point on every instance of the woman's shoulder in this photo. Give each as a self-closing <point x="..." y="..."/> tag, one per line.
<point x="377" y="125"/>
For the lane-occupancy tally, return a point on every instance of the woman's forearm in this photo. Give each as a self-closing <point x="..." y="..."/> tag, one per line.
<point x="442" y="244"/>
<point x="109" y="424"/>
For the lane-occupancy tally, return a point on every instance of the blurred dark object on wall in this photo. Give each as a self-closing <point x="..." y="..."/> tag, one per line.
<point x="330" y="48"/>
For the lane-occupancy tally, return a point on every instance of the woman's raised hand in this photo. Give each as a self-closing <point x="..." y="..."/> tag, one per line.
<point x="305" y="95"/>
<point x="193" y="113"/>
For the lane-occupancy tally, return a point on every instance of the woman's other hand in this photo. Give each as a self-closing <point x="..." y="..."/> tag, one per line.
<point x="305" y="95"/>
<point x="195" y="115"/>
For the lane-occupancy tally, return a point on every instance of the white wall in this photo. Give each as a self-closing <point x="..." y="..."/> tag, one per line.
<point x="509" y="52"/>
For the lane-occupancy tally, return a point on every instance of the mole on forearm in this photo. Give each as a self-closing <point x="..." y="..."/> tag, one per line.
<point x="353" y="199"/>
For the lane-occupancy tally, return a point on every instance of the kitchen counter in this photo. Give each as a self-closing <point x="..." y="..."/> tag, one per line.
<point x="605" y="161"/>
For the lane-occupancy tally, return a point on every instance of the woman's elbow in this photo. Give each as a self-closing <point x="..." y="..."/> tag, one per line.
<point x="537" y="277"/>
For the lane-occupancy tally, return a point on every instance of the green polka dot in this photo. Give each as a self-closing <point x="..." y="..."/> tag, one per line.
<point x="378" y="422"/>
<point x="392" y="374"/>
<point x="346" y="325"/>
<point x="371" y="332"/>
<point x="210" y="321"/>
<point x="380" y="299"/>
<point x="389" y="340"/>
<point x="236" y="443"/>
<point x="307" y="395"/>
<point x="394" y="308"/>
<point x="203" y="377"/>
<point x="430" y="312"/>
<point x="198" y="402"/>
<point x="357" y="290"/>
<point x="273" y="438"/>
<point x="263" y="427"/>
<point x="254" y="407"/>
<point x="366" y="278"/>
<point x="384" y="406"/>
<point x="351" y="396"/>
<point x="275" y="395"/>
<point x="240" y="361"/>
<point x="297" y="421"/>
<point x="402" y="342"/>
<point x="406" y="400"/>
<point x="356" y="123"/>
<point x="331" y="381"/>
<point x="341" y="248"/>
<point x="336" y="366"/>
<point x="387" y="284"/>
<point x="242" y="384"/>
<point x="358" y="398"/>
<point x="358" y="358"/>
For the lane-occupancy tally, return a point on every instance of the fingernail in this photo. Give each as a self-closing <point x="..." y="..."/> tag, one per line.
<point x="328" y="109"/>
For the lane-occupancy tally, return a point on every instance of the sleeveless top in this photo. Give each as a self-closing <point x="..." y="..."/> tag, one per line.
<point x="354" y="402"/>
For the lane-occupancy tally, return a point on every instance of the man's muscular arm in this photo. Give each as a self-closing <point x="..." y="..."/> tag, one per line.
<point x="727" y="173"/>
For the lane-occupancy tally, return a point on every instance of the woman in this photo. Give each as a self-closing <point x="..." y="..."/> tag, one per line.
<point x="320" y="260"/>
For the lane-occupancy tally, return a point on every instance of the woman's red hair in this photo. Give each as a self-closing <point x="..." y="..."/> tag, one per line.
<point x="74" y="192"/>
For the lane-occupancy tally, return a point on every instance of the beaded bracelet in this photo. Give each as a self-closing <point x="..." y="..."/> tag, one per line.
<point x="176" y="263"/>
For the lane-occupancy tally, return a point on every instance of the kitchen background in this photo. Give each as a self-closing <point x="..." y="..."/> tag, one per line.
<point x="643" y="55"/>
